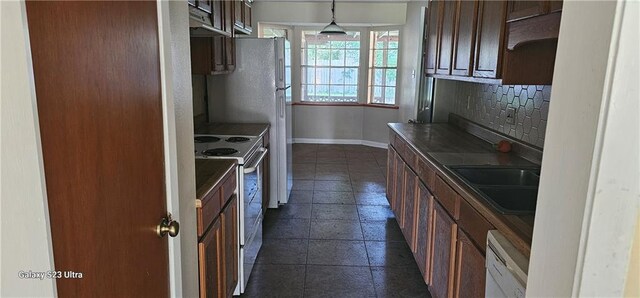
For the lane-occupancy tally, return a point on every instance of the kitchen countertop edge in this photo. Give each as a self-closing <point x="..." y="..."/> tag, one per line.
<point x="222" y="168"/>
<point x="517" y="235"/>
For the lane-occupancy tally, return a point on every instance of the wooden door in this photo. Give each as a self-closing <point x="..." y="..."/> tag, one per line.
<point x="398" y="198"/>
<point x="211" y="261"/>
<point x="445" y="47"/>
<point x="470" y="271"/>
<point x="464" y="37"/>
<point x="424" y="216"/>
<point x="518" y="9"/>
<point x="442" y="256"/>
<point x="96" y="66"/>
<point x="432" y="23"/>
<point x="489" y="38"/>
<point x="230" y="227"/>
<point x="410" y="192"/>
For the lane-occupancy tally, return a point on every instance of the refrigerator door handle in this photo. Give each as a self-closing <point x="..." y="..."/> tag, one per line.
<point x="282" y="104"/>
<point x="282" y="89"/>
<point x="280" y="69"/>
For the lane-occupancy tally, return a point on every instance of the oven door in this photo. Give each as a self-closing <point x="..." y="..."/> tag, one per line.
<point x="252" y="200"/>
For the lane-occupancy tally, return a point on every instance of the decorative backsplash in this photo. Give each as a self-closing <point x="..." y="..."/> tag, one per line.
<point x="487" y="105"/>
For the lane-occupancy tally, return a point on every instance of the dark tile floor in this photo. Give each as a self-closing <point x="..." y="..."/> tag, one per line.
<point x="337" y="237"/>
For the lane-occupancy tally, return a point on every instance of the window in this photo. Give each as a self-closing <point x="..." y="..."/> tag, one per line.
<point x="383" y="66"/>
<point x="329" y="67"/>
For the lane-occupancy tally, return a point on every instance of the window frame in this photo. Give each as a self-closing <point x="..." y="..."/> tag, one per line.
<point x="371" y="67"/>
<point x="298" y="31"/>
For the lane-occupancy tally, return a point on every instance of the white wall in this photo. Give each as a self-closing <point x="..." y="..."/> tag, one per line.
<point x="409" y="70"/>
<point x="26" y="238"/>
<point x="183" y="109"/>
<point x="327" y="122"/>
<point x="308" y="12"/>
<point x="444" y="98"/>
<point x="374" y="124"/>
<point x="576" y="99"/>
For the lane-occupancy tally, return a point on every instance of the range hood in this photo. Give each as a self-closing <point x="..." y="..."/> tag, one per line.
<point x="200" y="24"/>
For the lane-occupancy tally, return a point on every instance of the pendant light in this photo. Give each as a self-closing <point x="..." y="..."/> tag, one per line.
<point x="333" y="28"/>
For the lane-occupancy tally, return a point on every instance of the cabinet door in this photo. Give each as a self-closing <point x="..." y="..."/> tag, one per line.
<point x="246" y="16"/>
<point x="391" y="176"/>
<point x="445" y="48"/>
<point x="525" y="9"/>
<point x="409" y="209"/>
<point x="205" y="5"/>
<point x="238" y="7"/>
<point x="470" y="271"/>
<point x="218" y="58"/>
<point x="489" y="38"/>
<point x="555" y="5"/>
<point x="230" y="53"/>
<point x="424" y="216"/>
<point x="210" y="259"/>
<point x="217" y="14"/>
<point x="230" y="235"/>
<point x="464" y="37"/>
<point x="431" y="36"/>
<point x="228" y="17"/>
<point x="201" y="50"/>
<point x="398" y="198"/>
<point x="444" y="242"/>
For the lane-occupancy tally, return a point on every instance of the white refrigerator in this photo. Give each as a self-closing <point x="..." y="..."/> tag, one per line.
<point x="258" y="91"/>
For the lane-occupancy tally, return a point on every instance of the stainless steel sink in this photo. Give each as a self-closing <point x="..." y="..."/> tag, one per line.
<point x="510" y="190"/>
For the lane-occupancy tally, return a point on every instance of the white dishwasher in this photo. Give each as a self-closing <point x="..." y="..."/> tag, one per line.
<point x="506" y="268"/>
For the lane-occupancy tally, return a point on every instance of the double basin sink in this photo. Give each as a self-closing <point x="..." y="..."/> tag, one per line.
<point x="510" y="190"/>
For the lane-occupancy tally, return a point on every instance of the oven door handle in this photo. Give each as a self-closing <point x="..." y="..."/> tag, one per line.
<point x="253" y="167"/>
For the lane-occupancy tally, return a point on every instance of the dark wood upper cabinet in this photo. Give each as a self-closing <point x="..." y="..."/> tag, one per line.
<point x="470" y="271"/>
<point x="525" y="9"/>
<point x="442" y="256"/>
<point x="489" y="38"/>
<point x="211" y="263"/>
<point x="242" y="16"/>
<point x="431" y="36"/>
<point x="464" y="37"/>
<point x="424" y="211"/>
<point x="205" y="5"/>
<point x="217" y="14"/>
<point x="445" y="36"/>
<point x="193" y="2"/>
<point x="555" y="6"/>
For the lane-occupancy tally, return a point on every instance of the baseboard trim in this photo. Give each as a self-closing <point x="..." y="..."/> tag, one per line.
<point x="341" y="142"/>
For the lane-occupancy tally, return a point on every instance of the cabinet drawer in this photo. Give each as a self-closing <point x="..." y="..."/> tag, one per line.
<point x="448" y="197"/>
<point x="209" y="211"/>
<point x="228" y="188"/>
<point x="474" y="224"/>
<point x="426" y="173"/>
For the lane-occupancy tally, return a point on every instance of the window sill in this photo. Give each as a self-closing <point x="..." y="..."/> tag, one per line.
<point x="345" y="104"/>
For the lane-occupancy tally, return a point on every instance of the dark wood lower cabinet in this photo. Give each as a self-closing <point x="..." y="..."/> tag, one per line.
<point x="398" y="197"/>
<point x="210" y="253"/>
<point x="470" y="271"/>
<point x="230" y="235"/>
<point x="391" y="174"/>
<point x="409" y="208"/>
<point x="218" y="254"/>
<point x="424" y="215"/>
<point x="442" y="256"/>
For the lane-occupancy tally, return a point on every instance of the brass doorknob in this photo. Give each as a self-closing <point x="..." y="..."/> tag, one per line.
<point x="168" y="225"/>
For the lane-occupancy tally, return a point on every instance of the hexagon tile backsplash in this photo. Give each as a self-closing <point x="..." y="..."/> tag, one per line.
<point x="488" y="104"/>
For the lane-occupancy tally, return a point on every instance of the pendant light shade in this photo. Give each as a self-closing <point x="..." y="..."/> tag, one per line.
<point x="333" y="28"/>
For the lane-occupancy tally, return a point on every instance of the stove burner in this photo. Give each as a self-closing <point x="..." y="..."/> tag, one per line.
<point x="206" y="139"/>
<point x="220" y="152"/>
<point x="237" y="140"/>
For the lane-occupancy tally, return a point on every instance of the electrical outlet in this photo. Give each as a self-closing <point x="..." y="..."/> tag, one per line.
<point x="511" y="115"/>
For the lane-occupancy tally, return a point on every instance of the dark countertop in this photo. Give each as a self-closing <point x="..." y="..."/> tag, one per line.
<point x="243" y="129"/>
<point x="209" y="173"/>
<point x="445" y="145"/>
